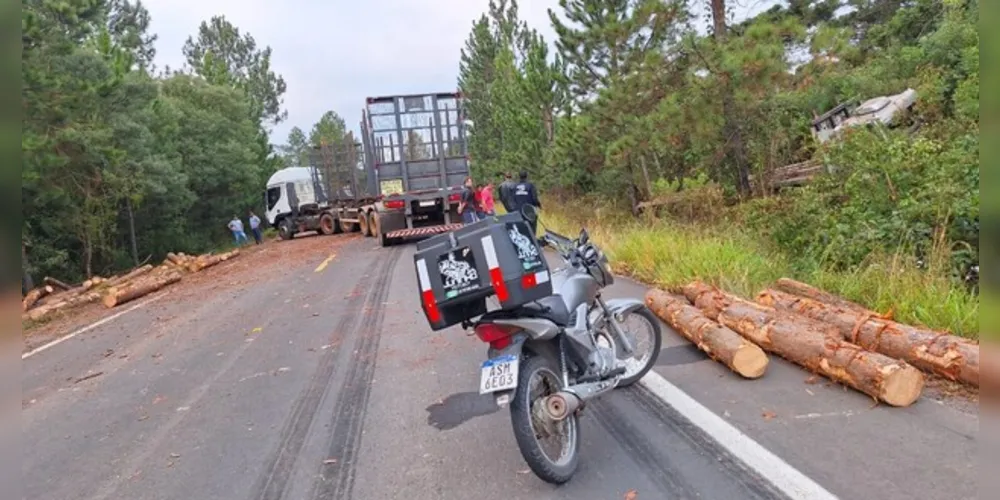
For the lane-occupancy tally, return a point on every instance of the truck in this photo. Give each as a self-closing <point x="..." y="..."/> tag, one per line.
<point x="401" y="182"/>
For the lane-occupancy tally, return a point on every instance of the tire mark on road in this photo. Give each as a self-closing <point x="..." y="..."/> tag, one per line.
<point x="754" y="485"/>
<point x="336" y="477"/>
<point x="637" y="445"/>
<point x="281" y="464"/>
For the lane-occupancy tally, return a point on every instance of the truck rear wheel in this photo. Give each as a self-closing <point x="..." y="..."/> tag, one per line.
<point x="346" y="227"/>
<point x="363" y="222"/>
<point x="378" y="233"/>
<point x="374" y="228"/>
<point x="327" y="224"/>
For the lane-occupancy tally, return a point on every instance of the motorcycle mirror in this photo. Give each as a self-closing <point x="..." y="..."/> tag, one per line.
<point x="584" y="237"/>
<point x="529" y="212"/>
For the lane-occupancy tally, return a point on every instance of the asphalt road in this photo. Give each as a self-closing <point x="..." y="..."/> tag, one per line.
<point x="324" y="382"/>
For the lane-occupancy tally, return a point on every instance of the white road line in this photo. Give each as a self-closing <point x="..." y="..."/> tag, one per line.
<point x="772" y="468"/>
<point x="90" y="327"/>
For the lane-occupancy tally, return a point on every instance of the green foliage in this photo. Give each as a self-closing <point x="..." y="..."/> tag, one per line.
<point x="115" y="159"/>
<point x="647" y="109"/>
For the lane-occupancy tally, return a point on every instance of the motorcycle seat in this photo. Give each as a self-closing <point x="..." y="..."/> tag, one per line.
<point x="551" y="308"/>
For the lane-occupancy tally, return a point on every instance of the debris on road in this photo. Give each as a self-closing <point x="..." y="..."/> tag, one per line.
<point x="88" y="377"/>
<point x="950" y="356"/>
<point x="631" y="495"/>
<point x="719" y="342"/>
<point x="841" y="343"/>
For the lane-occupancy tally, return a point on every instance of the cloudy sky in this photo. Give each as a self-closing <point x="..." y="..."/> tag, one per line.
<point x="335" y="53"/>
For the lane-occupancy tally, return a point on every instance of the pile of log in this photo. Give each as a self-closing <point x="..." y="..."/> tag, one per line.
<point x="826" y="334"/>
<point x="55" y="295"/>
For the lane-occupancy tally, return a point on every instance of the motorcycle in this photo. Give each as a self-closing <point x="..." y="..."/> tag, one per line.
<point x="548" y="358"/>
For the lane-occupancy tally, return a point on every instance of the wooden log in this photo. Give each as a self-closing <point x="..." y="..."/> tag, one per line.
<point x="79" y="299"/>
<point x="135" y="273"/>
<point x="176" y="259"/>
<point x="820" y="348"/>
<point x="708" y="298"/>
<point x="949" y="356"/>
<point x="33" y="296"/>
<point x="120" y="295"/>
<point x="54" y="283"/>
<point x="204" y="261"/>
<point x="801" y="289"/>
<point x="719" y="342"/>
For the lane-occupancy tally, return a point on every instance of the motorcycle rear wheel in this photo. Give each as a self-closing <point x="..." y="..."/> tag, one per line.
<point x="539" y="377"/>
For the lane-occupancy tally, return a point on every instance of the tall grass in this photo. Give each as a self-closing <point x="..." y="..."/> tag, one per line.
<point x="670" y="255"/>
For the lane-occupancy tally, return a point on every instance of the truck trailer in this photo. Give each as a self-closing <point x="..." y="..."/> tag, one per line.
<point x="402" y="182"/>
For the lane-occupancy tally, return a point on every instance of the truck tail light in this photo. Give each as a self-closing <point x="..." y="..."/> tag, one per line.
<point x="394" y="204"/>
<point x="454" y="197"/>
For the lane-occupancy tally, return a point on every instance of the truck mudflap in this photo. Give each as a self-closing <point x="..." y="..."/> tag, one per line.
<point x="421" y="231"/>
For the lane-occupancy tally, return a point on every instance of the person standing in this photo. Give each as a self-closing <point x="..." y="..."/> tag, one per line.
<point x="480" y="212"/>
<point x="524" y="193"/>
<point x="467" y="203"/>
<point x="489" y="206"/>
<point x="255" y="228"/>
<point x="506" y="191"/>
<point x="236" y="226"/>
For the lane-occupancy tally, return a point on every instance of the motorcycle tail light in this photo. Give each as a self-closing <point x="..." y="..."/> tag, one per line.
<point x="498" y="336"/>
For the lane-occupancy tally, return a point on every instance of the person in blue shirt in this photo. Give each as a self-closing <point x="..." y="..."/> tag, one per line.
<point x="255" y="228"/>
<point x="236" y="226"/>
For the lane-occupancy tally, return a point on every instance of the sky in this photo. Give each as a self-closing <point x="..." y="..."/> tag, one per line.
<point x="335" y="53"/>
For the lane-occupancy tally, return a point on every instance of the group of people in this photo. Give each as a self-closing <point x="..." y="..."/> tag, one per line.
<point x="477" y="200"/>
<point x="236" y="226"/>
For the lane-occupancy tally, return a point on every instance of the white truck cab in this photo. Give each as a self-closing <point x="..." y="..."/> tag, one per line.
<point x="289" y="188"/>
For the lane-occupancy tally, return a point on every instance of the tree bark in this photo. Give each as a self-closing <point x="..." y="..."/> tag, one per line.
<point x="719" y="342"/>
<point x="949" y="356"/>
<point x="27" y="282"/>
<point x="801" y="289"/>
<point x="732" y="136"/>
<point x="820" y="348"/>
<point x="131" y="232"/>
<point x="708" y="298"/>
<point x="120" y="295"/>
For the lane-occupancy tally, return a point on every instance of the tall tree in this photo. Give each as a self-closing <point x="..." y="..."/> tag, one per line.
<point x="128" y="24"/>
<point x="296" y="149"/>
<point x="225" y="56"/>
<point x="732" y="136"/>
<point x="329" y="129"/>
<point x="611" y="39"/>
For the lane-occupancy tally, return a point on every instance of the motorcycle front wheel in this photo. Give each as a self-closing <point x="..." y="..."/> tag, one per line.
<point x="551" y="449"/>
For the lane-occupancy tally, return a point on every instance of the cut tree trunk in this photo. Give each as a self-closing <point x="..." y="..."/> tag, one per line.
<point x="33" y="296"/>
<point x="719" y="342"/>
<point x="204" y="261"/>
<point x="120" y="295"/>
<point x="41" y="312"/>
<point x="801" y="289"/>
<point x="819" y="347"/>
<point x="130" y="276"/>
<point x="708" y="298"/>
<point x="54" y="283"/>
<point x="949" y="356"/>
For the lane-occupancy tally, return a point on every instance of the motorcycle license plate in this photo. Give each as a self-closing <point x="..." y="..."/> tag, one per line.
<point x="499" y="374"/>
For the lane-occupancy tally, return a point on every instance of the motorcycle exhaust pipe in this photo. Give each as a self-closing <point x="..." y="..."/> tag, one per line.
<point x="561" y="405"/>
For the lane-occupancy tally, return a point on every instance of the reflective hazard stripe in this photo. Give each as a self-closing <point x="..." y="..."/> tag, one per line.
<point x="496" y="275"/>
<point x="427" y="293"/>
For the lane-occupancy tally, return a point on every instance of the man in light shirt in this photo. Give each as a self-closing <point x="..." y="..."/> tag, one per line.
<point x="236" y="226"/>
<point x="255" y="228"/>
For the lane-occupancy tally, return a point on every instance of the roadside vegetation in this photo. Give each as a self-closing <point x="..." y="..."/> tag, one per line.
<point x="641" y="103"/>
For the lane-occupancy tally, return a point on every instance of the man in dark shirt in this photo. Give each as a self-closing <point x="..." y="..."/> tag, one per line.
<point x="467" y="204"/>
<point x="506" y="190"/>
<point x="524" y="193"/>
